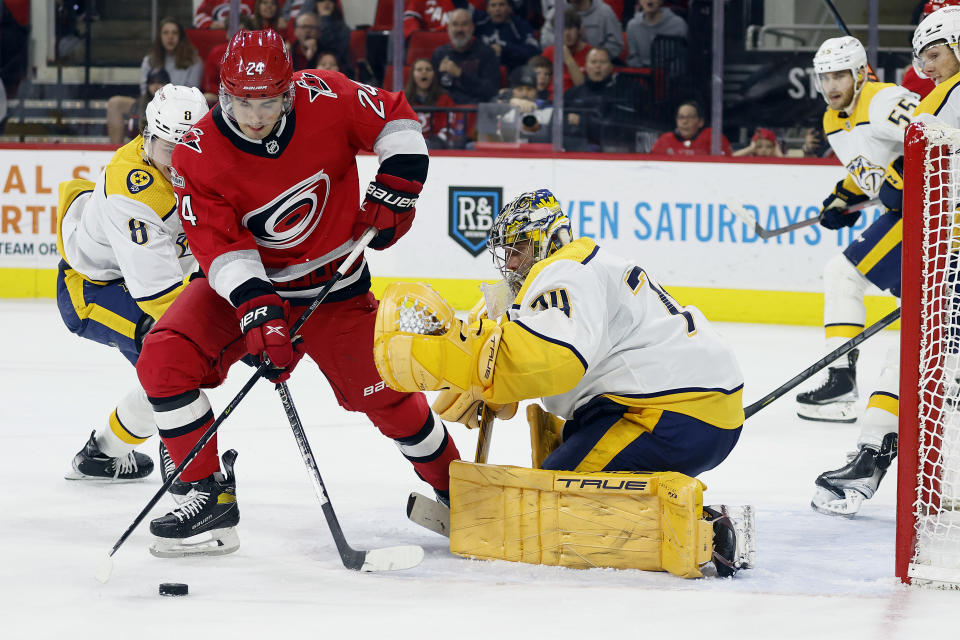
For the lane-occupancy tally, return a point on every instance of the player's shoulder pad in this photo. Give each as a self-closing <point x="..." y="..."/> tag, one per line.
<point x="884" y="98"/>
<point x="941" y="93"/>
<point x="128" y="175"/>
<point x="578" y="252"/>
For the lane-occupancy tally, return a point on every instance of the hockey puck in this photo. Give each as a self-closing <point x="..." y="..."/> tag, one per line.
<point x="173" y="589"/>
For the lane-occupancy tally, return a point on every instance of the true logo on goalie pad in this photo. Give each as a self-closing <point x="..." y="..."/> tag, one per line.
<point x="472" y="211"/>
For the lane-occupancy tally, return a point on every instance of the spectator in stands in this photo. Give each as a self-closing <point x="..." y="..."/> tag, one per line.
<point x="431" y="15"/>
<point x="304" y="49"/>
<point x="544" y="70"/>
<point x="211" y="66"/>
<point x="441" y="130"/>
<point x="690" y="138"/>
<point x="763" y="144"/>
<point x="292" y="8"/>
<point x="125" y="124"/>
<point x="510" y="37"/>
<point x="814" y="144"/>
<point x="529" y="115"/>
<point x="469" y="70"/>
<point x="575" y="50"/>
<point x="171" y="51"/>
<point x="266" y="15"/>
<point x="334" y="34"/>
<point x="601" y="26"/>
<point x="215" y="14"/>
<point x="601" y="111"/>
<point x="651" y="20"/>
<point x="327" y="60"/>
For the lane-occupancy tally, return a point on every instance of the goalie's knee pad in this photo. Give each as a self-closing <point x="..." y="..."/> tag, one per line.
<point x="843" y="290"/>
<point x="624" y="520"/>
<point x="546" y="434"/>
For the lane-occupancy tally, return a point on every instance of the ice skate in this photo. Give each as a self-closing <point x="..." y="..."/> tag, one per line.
<point x="178" y="489"/>
<point x="91" y="464"/>
<point x="841" y="492"/>
<point x="205" y="523"/>
<point x="834" y="399"/>
<point x="734" y="538"/>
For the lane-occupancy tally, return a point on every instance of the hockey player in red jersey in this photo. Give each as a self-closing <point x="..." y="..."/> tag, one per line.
<point x="267" y="188"/>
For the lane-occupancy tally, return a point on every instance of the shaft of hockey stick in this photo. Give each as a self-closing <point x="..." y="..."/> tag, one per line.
<point x="843" y="27"/>
<point x="106" y="566"/>
<point x="750" y="219"/>
<point x="483" y="438"/>
<point x="847" y="346"/>
<point x="383" y="559"/>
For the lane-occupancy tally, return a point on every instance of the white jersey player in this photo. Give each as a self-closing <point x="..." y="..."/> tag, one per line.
<point x="842" y="491"/>
<point x="643" y="382"/>
<point x="124" y="260"/>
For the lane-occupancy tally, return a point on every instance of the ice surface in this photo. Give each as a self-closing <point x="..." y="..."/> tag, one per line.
<point x="817" y="577"/>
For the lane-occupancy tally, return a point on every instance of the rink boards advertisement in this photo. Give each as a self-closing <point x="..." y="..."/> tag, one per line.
<point x="675" y="218"/>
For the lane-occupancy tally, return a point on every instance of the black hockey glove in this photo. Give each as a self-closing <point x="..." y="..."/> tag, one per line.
<point x="891" y="191"/>
<point x="832" y="214"/>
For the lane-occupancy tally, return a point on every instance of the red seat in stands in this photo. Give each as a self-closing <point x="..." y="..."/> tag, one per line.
<point x="204" y="40"/>
<point x="423" y="43"/>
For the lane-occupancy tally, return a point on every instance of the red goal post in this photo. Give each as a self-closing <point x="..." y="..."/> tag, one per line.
<point x="928" y="483"/>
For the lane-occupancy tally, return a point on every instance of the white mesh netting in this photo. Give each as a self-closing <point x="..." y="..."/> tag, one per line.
<point x="936" y="508"/>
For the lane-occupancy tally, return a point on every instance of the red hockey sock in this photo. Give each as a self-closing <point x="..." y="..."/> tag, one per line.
<point x="206" y="462"/>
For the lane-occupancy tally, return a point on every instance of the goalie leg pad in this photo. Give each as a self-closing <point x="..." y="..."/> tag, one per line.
<point x="546" y="434"/>
<point x="624" y="520"/>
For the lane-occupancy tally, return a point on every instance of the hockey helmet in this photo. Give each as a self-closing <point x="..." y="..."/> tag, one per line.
<point x="535" y="217"/>
<point x="940" y="27"/>
<point x="172" y="112"/>
<point x="841" y="54"/>
<point x="256" y="65"/>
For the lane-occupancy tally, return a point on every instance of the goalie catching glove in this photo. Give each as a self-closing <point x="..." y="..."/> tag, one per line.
<point x="832" y="214"/>
<point x="419" y="345"/>
<point x="389" y="207"/>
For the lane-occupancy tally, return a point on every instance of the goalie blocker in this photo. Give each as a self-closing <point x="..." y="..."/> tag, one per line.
<point x="621" y="520"/>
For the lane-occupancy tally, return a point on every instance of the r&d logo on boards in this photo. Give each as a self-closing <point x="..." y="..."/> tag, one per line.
<point x="472" y="210"/>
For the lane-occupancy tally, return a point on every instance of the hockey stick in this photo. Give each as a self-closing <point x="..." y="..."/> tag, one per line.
<point x="847" y="346"/>
<point x="106" y="566"/>
<point x="751" y="220"/>
<point x="384" y="559"/>
<point x="843" y="27"/>
<point x="483" y="438"/>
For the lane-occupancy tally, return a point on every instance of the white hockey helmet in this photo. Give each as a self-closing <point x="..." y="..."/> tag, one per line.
<point x="841" y="54"/>
<point x="940" y="27"/>
<point x="173" y="110"/>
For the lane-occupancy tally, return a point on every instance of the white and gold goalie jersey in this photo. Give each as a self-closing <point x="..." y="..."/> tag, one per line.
<point x="125" y="226"/>
<point x="869" y="139"/>
<point x="588" y="323"/>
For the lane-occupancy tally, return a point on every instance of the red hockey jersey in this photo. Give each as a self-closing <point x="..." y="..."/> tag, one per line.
<point x="211" y="11"/>
<point x="282" y="209"/>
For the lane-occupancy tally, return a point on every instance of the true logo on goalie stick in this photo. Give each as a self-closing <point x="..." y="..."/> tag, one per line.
<point x="472" y="210"/>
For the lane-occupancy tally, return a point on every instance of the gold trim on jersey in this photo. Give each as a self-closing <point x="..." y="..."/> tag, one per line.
<point x="833" y="122"/>
<point x="577" y="251"/>
<point x="531" y="367"/>
<point x="717" y="408"/>
<point x="156" y="307"/>
<point x="129" y="175"/>
<point x="67" y="193"/>
<point x="934" y="101"/>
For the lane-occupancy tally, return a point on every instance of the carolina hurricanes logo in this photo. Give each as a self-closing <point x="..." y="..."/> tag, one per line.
<point x="289" y="219"/>
<point x="192" y="139"/>
<point x="315" y="85"/>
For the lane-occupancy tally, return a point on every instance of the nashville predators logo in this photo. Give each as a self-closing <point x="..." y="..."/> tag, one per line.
<point x="315" y="85"/>
<point x="138" y="180"/>
<point x="868" y="176"/>
<point x="291" y="217"/>
<point x="191" y="139"/>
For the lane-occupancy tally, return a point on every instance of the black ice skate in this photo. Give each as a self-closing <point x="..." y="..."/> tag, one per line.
<point x="841" y="492"/>
<point x="205" y="523"/>
<point x="734" y="538"/>
<point x="178" y="489"/>
<point x="833" y="400"/>
<point x="92" y="464"/>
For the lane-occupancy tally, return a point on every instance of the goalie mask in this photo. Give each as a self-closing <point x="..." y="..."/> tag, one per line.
<point x="526" y="231"/>
<point x="172" y="112"/>
<point x="940" y="27"/>
<point x="841" y="54"/>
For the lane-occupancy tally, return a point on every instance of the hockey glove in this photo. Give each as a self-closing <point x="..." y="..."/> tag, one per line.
<point x="389" y="207"/>
<point x="891" y="191"/>
<point x="832" y="214"/>
<point x="455" y="405"/>
<point x="263" y="322"/>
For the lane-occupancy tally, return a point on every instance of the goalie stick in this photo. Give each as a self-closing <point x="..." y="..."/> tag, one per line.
<point x="751" y="220"/>
<point x="850" y="344"/>
<point x="429" y="513"/>
<point x="106" y="565"/>
<point x="383" y="559"/>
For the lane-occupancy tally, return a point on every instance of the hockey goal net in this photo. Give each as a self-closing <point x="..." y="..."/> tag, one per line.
<point x="928" y="488"/>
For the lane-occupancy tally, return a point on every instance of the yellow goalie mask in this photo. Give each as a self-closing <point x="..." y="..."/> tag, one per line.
<point x="420" y="345"/>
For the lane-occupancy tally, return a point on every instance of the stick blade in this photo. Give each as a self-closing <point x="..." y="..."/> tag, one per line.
<point x="104" y="571"/>
<point x="392" y="558"/>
